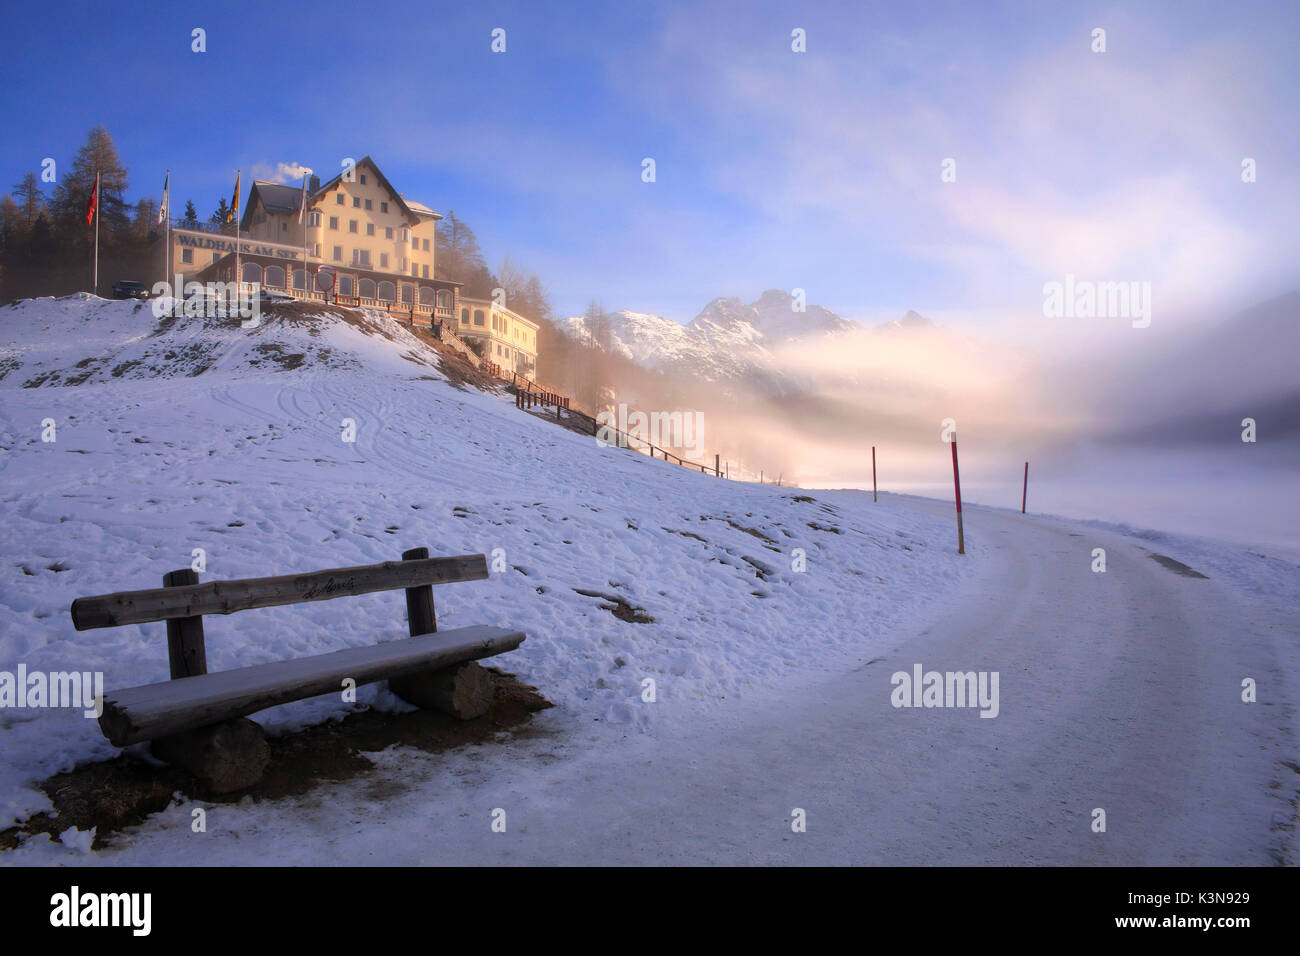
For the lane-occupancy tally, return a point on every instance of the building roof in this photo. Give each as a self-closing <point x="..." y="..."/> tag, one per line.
<point x="282" y="198"/>
<point x="277" y="197"/>
<point x="420" y="208"/>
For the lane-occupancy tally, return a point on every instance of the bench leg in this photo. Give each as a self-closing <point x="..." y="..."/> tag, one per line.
<point x="464" y="690"/>
<point x="228" y="756"/>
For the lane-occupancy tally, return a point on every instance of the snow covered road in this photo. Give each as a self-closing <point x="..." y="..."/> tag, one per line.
<point x="1118" y="690"/>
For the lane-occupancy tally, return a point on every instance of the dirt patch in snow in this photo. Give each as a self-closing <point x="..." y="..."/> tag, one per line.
<point x="620" y="608"/>
<point x="1177" y="566"/>
<point x="459" y="372"/>
<point x="113" y="794"/>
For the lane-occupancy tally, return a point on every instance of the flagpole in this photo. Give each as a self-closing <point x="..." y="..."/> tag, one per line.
<point x="167" y="213"/>
<point x="95" y="290"/>
<point x="239" y="279"/>
<point x="302" y="218"/>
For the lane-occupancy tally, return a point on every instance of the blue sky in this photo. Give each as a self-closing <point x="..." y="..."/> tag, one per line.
<point x="775" y="169"/>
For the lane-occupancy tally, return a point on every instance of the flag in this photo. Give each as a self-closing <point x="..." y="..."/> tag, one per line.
<point x="92" y="204"/>
<point x="233" y="214"/>
<point x="164" y="211"/>
<point x="302" y="206"/>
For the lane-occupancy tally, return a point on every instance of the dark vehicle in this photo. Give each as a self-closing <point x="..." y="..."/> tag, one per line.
<point x="267" y="297"/>
<point x="130" y="290"/>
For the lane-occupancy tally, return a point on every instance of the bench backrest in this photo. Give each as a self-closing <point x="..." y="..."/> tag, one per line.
<point x="182" y="601"/>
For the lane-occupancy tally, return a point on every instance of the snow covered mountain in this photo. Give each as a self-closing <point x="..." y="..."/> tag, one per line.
<point x="728" y="341"/>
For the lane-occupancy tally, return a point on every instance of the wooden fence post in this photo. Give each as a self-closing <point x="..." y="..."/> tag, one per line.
<point x="185" y="651"/>
<point x="1024" y="495"/>
<point x="956" y="484"/>
<point x="873" y="472"/>
<point x="419" y="600"/>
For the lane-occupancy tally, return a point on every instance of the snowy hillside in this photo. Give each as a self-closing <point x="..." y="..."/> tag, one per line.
<point x="188" y="434"/>
<point x="773" y="684"/>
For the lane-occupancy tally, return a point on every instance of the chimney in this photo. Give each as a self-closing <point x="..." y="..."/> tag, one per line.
<point x="313" y="185"/>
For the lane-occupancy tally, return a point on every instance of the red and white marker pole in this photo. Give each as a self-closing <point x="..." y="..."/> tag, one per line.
<point x="956" y="483"/>
<point x="873" y="472"/>
<point x="1024" y="495"/>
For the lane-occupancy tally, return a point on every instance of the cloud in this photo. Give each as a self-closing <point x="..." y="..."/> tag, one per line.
<point x="281" y="173"/>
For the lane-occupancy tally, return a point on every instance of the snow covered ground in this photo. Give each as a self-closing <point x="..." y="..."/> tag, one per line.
<point x="1119" y="690"/>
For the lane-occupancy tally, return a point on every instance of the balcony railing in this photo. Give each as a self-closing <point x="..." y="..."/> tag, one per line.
<point x="197" y="225"/>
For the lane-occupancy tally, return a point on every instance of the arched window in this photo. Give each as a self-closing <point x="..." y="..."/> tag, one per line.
<point x="367" y="288"/>
<point x="345" y="285"/>
<point x="300" y="279"/>
<point x="408" y="294"/>
<point x="478" y="317"/>
<point x="274" y="277"/>
<point x="444" y="299"/>
<point x="252" y="272"/>
<point x="426" y="295"/>
<point x="387" y="292"/>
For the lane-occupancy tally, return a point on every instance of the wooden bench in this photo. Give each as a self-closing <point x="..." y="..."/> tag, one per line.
<point x="196" y="719"/>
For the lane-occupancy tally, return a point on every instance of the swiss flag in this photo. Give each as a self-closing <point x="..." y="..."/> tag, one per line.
<point x="92" y="203"/>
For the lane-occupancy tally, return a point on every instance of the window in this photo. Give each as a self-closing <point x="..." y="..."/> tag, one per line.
<point x="334" y="222"/>
<point x="426" y="295"/>
<point x="426" y="245"/>
<point x="352" y="225"/>
<point x="338" y="199"/>
<point x="356" y="202"/>
<point x="284" y="227"/>
<point x="367" y="288"/>
<point x="369" y="205"/>
<point x="361" y="257"/>
<point x="187" y="255"/>
<point x="274" y="277"/>
<point x="444" y="299"/>
<point x="383" y="260"/>
<point x="383" y="207"/>
<point x="338" y="253"/>
<point x="370" y="229"/>
<point x="464" y="316"/>
<point x="345" y="285"/>
<point x="426" y="272"/>
<point x="363" y="179"/>
<point x="403" y="263"/>
<point x="388" y="232"/>
<point x="408" y="294"/>
<point x="405" y="233"/>
<point x="478" y="317"/>
<point x="313" y="219"/>
<point x="415" y="271"/>
<point x="415" y="242"/>
<point x="387" y="292"/>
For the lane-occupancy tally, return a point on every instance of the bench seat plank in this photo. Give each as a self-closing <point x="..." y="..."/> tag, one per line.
<point x="169" y="707"/>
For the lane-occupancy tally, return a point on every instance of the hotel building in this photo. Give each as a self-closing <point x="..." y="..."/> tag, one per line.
<point x="499" y="335"/>
<point x="359" y="242"/>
